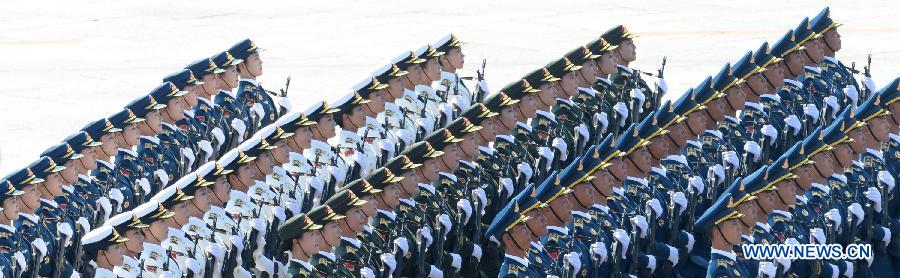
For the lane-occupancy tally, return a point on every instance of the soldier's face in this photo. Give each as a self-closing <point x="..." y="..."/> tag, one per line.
<point x="395" y="87"/>
<point x="751" y="214"/>
<point x="131" y="135"/>
<point x="53" y="184"/>
<point x="325" y="126"/>
<point x="220" y="192"/>
<point x="428" y="172"/>
<point x="717" y="109"/>
<point x="265" y="164"/>
<point x="520" y="235"/>
<point x="786" y="194"/>
<point x="211" y="84"/>
<point x="679" y="134"/>
<point x="559" y="210"/>
<point x="639" y="163"/>
<point x="153" y="123"/>
<point x="70" y="174"/>
<point x="280" y="154"/>
<point x="227" y="80"/>
<point x="114" y="254"/>
<point x="660" y="147"/>
<point x="431" y="71"/>
<point x="376" y="104"/>
<point x="569" y="84"/>
<point x="627" y="51"/>
<point x="774" y="74"/>
<point x="546" y="97"/>
<point x="824" y="164"/>
<point x="389" y="196"/>
<point x="794" y="63"/>
<point x="330" y="236"/>
<point x="842" y="155"/>
<point x="696" y="123"/>
<point x="450" y="158"/>
<point x="190" y="99"/>
<point x="587" y="73"/>
<point x="468" y="147"/>
<point x="89" y="161"/>
<point x="358" y="117"/>
<point x="858" y="145"/>
<point x="135" y="243"/>
<point x="537" y="224"/>
<point x="413" y="78"/>
<point x="607" y="64"/>
<point x="526" y="107"/>
<point x="618" y="171"/>
<point x="455" y="58"/>
<point x="302" y="139"/>
<point x="880" y="128"/>
<point x="735" y="98"/>
<point x="731" y="230"/>
<point x="200" y="203"/>
<point x="32" y="197"/>
<point x="354" y="222"/>
<point x="806" y="176"/>
<point x="767" y="203"/>
<point x="11" y="209"/>
<point x="157" y="231"/>
<point x="174" y="110"/>
<point x="832" y="39"/>
<point x="508" y="118"/>
<point x="254" y="64"/>
<point x="309" y="243"/>
<point x="370" y="208"/>
<point x="815" y="52"/>
<point x="584" y="196"/>
<point x="488" y="132"/>
<point x="182" y="213"/>
<point x="603" y="183"/>
<point x="243" y="178"/>
<point x="110" y="143"/>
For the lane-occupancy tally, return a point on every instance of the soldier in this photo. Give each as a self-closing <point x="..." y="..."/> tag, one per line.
<point x="298" y="238"/>
<point x="104" y="176"/>
<point x="626" y="79"/>
<point x="15" y="247"/>
<point x="149" y="151"/>
<point x="56" y="224"/>
<point x="105" y="247"/>
<point x="178" y="155"/>
<point x="723" y="225"/>
<point x="430" y="72"/>
<point x="451" y="62"/>
<point x="514" y="240"/>
<point x="249" y="91"/>
<point x="128" y="168"/>
<point x="200" y="136"/>
<point x="129" y="226"/>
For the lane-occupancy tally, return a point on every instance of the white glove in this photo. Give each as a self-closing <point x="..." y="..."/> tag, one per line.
<point x="237" y="242"/>
<point x="637" y="94"/>
<point x="794" y="123"/>
<point x="583" y="132"/>
<point x="189" y="154"/>
<point x="476" y="252"/>
<point x="811" y="111"/>
<point x="870" y="85"/>
<point x="599" y="249"/>
<point x="753" y="148"/>
<point x="875" y="196"/>
<point x="622" y="110"/>
<point x="767" y="268"/>
<point x="679" y="199"/>
<point x="886" y="178"/>
<point x="484" y="87"/>
<point x="445" y="222"/>
<point x="832" y="102"/>
<point x="785" y="263"/>
<point x="40" y="245"/>
<point x="791" y="241"/>
<point x="366" y="272"/>
<point x="720" y="173"/>
<point x="239" y="126"/>
<point x="163" y="177"/>
<point x="641" y="222"/>
<point x="834" y="216"/>
<point x="482" y="199"/>
<point x="858" y="213"/>
<point x="293" y="206"/>
<point x="562" y="147"/>
<point x="848" y="272"/>
<point x="385" y="144"/>
<point x="219" y="135"/>
<point x="401" y="244"/>
<point x="389" y="261"/>
<point x="20" y="259"/>
<point x="145" y="186"/>
<point x="85" y="225"/>
<point x="887" y="236"/>
<point x="207" y="149"/>
<point x="603" y="119"/>
<point x="818" y="234"/>
<point x="464" y="206"/>
<point x="258" y="225"/>
<point x="673" y="254"/>
<point x="435" y="273"/>
<point x="507" y="186"/>
<point x="426" y="123"/>
<point x="731" y="157"/>
<point x="264" y="264"/>
<point x="75" y="275"/>
<point x="65" y="230"/>
<point x="456" y="261"/>
<point x="425" y="232"/>
<point x="772" y="133"/>
<point x="655" y="205"/>
<point x="546" y="153"/>
<point x="573" y="259"/>
<point x="106" y="206"/>
<point x="697" y="183"/>
<point x="239" y="272"/>
<point x="278" y="212"/>
<point x="286" y="104"/>
<point x="525" y="169"/>
<point x="622" y="237"/>
<point x="316" y="183"/>
<point x="192" y="265"/>
<point x="259" y="111"/>
<point x="852" y="94"/>
<point x="216" y="250"/>
<point x="663" y="87"/>
<point x="116" y="195"/>
<point x="406" y="136"/>
<point x="651" y="263"/>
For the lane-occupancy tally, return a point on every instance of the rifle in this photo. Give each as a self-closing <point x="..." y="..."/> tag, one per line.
<point x="692" y="207"/>
<point x="79" y="232"/>
<point x="420" y="257"/>
<point x="867" y="72"/>
<point x="659" y="93"/>
<point x="651" y="238"/>
<point x="632" y="267"/>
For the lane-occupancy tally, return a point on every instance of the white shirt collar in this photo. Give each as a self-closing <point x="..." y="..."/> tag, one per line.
<point x="151" y="139"/>
<point x="106" y="163"/>
<point x="8" y="228"/>
<point x="102" y="272"/>
<point x="389" y="214"/>
<point x="626" y="68"/>
<point x="783" y="213"/>
<point x="50" y="202"/>
<point x="208" y="102"/>
<point x="794" y="82"/>
<point x="84" y="177"/>
<point x="521" y="261"/>
<point x="814" y="69"/>
<point x="228" y="92"/>
<point x="189" y="113"/>
<point x="537" y="245"/>
<point x="303" y="263"/>
<point x="604" y="80"/>
<point x="252" y="81"/>
<point x="832" y="59"/>
<point x="764" y="226"/>
<point x="730" y="254"/>
<point x="171" y="126"/>
<point x="31" y="217"/>
<point x="128" y="151"/>
<point x="408" y="202"/>
<point x="327" y="254"/>
<point x="351" y="241"/>
<point x="601" y="207"/>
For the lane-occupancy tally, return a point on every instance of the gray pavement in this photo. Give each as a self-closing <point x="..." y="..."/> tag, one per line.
<point x="65" y="64"/>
